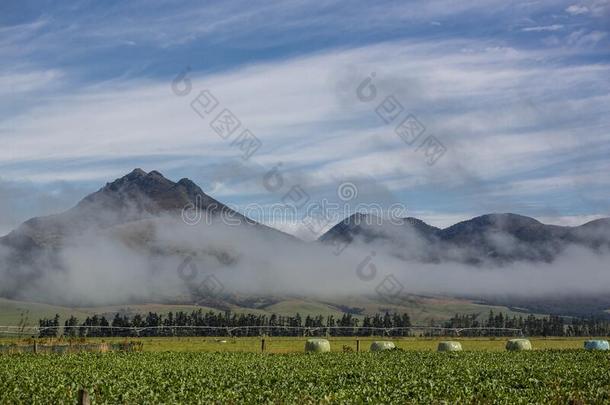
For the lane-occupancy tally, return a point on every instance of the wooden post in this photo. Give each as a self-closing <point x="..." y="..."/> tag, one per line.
<point x="35" y="347"/>
<point x="357" y="345"/>
<point x="263" y="345"/>
<point x="83" y="397"/>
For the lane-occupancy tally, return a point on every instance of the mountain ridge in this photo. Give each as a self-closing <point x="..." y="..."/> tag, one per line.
<point x="143" y="213"/>
<point x="139" y="195"/>
<point x="152" y="193"/>
<point x="124" y="206"/>
<point x="478" y="237"/>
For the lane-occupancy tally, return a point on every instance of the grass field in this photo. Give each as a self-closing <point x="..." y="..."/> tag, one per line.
<point x="296" y="344"/>
<point x="422" y="310"/>
<point x="544" y="376"/>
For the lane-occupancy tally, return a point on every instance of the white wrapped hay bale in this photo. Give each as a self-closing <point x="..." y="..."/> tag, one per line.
<point x="518" y="344"/>
<point x="597" y="345"/>
<point x="449" y="346"/>
<point x="317" y="346"/>
<point x="381" y="345"/>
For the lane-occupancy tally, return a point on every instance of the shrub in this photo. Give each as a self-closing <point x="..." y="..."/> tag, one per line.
<point x="127" y="346"/>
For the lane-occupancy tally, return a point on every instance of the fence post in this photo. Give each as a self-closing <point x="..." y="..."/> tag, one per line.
<point x="83" y="397"/>
<point x="263" y="345"/>
<point x="357" y="345"/>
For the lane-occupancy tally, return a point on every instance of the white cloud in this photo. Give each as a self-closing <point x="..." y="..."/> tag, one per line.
<point x="570" y="220"/>
<point x="442" y="220"/>
<point x="554" y="27"/>
<point x="577" y="9"/>
<point x="584" y="38"/>
<point x="594" y="8"/>
<point x="499" y="110"/>
<point x="17" y="83"/>
<point x="566" y="184"/>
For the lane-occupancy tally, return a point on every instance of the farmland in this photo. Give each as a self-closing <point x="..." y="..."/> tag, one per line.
<point x="229" y="370"/>
<point x="295" y="344"/>
<point x="543" y="376"/>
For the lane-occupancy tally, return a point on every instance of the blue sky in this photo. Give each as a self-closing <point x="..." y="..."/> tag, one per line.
<point x="517" y="93"/>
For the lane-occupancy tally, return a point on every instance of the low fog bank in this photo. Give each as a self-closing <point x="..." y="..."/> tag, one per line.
<point x="165" y="260"/>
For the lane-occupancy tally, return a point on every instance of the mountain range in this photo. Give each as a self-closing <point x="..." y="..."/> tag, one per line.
<point x="139" y="211"/>
<point x="491" y="238"/>
<point x="139" y="196"/>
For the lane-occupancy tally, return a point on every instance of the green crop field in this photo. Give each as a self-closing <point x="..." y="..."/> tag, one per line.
<point x="544" y="376"/>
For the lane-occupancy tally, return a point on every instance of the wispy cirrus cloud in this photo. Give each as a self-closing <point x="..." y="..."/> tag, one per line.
<point x="586" y="38"/>
<point x="577" y="9"/>
<point x="515" y="105"/>
<point x="595" y="8"/>
<point x="541" y="28"/>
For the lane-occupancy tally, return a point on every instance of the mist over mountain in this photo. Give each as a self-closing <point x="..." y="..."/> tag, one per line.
<point x="492" y="239"/>
<point x="144" y="238"/>
<point x="126" y="214"/>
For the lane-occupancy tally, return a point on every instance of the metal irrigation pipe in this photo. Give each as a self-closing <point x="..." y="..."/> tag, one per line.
<point x="230" y="330"/>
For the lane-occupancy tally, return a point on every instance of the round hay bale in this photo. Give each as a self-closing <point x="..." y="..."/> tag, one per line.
<point x="597" y="345"/>
<point x="518" y="344"/>
<point x="381" y="345"/>
<point x="449" y="346"/>
<point x="317" y="346"/>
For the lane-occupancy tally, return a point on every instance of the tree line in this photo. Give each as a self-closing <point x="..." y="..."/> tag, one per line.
<point x="228" y="323"/>
<point x="531" y="325"/>
<point x="222" y="323"/>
